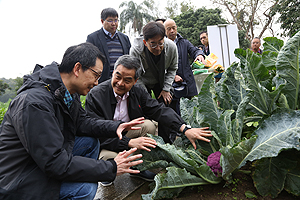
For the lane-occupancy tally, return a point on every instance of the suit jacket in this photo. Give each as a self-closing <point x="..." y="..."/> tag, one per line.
<point x="101" y="103"/>
<point x="98" y="39"/>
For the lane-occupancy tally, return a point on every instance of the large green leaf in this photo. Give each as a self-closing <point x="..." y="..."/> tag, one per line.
<point x="258" y="81"/>
<point x="156" y="158"/>
<point x="232" y="157"/>
<point x="170" y="184"/>
<point x="292" y="181"/>
<point x="272" y="44"/>
<point x="207" y="104"/>
<point x="190" y="112"/>
<point x="288" y="68"/>
<point x="232" y="92"/>
<point x="224" y="128"/>
<point x="278" y="132"/>
<point x="269" y="59"/>
<point x="163" y="153"/>
<point x="270" y="174"/>
<point x="204" y="171"/>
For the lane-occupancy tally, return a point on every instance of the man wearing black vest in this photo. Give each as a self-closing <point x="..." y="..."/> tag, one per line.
<point x="109" y="41"/>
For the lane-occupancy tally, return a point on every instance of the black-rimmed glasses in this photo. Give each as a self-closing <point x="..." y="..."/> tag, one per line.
<point x="155" y="45"/>
<point x="112" y="21"/>
<point x="97" y="75"/>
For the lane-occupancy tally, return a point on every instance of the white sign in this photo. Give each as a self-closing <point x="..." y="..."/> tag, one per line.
<point x="223" y="40"/>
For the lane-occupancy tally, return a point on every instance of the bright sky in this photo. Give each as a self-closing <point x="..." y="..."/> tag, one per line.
<point x="39" y="31"/>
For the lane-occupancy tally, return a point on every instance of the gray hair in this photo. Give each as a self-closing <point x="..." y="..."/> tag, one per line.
<point x="130" y="62"/>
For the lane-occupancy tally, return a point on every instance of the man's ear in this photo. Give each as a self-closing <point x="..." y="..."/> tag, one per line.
<point x="76" y="69"/>
<point x="145" y="42"/>
<point x="102" y="21"/>
<point x="135" y="81"/>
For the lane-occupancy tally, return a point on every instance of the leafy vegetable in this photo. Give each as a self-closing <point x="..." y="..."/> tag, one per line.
<point x="261" y="90"/>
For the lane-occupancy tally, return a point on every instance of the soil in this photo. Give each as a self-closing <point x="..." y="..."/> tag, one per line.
<point x="222" y="191"/>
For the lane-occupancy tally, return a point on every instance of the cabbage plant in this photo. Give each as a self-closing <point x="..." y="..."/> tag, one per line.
<point x="253" y="113"/>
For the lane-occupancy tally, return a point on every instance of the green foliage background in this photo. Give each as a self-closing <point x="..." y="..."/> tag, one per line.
<point x="11" y="92"/>
<point x="289" y="18"/>
<point x="191" y="23"/>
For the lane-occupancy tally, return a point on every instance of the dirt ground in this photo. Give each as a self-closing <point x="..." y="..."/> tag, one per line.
<point x="235" y="191"/>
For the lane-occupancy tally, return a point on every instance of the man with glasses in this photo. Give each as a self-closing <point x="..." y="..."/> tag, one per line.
<point x="159" y="59"/>
<point x="49" y="147"/>
<point x="122" y="99"/>
<point x="109" y="41"/>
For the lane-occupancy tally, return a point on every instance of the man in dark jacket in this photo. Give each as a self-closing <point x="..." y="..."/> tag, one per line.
<point x="109" y="41"/>
<point x="37" y="135"/>
<point x="101" y="102"/>
<point x="184" y="72"/>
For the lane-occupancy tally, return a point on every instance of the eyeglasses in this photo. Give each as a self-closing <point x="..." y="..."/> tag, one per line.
<point x="112" y="21"/>
<point x="155" y="45"/>
<point x="97" y="75"/>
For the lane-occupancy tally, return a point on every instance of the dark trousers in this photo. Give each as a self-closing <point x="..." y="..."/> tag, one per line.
<point x="165" y="132"/>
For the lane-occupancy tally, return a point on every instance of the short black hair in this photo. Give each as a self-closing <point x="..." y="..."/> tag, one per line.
<point x="108" y="12"/>
<point x="160" y="19"/>
<point x="203" y="32"/>
<point x="153" y="29"/>
<point x="130" y="62"/>
<point x="256" y="38"/>
<point x="84" y="53"/>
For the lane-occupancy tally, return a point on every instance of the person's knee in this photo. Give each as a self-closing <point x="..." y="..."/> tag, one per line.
<point x="78" y="191"/>
<point x="86" y="147"/>
<point x="88" y="191"/>
<point x="149" y="127"/>
<point x="106" y="154"/>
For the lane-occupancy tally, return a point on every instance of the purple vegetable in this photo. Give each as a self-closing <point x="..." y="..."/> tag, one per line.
<point x="213" y="161"/>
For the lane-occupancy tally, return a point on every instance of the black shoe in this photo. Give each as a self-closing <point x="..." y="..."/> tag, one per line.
<point x="146" y="175"/>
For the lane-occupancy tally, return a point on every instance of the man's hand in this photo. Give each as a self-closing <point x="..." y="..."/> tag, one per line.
<point x="178" y="78"/>
<point x="166" y="96"/>
<point x="201" y="58"/>
<point x="194" y="134"/>
<point x="142" y="143"/>
<point x="124" y="162"/>
<point x="129" y="126"/>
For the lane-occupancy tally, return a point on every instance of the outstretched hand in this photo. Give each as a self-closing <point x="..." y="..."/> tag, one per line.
<point x="142" y="143"/>
<point x="125" y="161"/>
<point x="194" y="134"/>
<point x="129" y="126"/>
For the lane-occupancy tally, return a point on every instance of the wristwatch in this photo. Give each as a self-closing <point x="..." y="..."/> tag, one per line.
<point x="186" y="128"/>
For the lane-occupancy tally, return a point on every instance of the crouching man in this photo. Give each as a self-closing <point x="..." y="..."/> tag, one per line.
<point x="48" y="145"/>
<point x="122" y="99"/>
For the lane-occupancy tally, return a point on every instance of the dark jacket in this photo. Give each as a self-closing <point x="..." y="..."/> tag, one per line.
<point x="101" y="103"/>
<point x="98" y="39"/>
<point x="184" y="70"/>
<point x="37" y="136"/>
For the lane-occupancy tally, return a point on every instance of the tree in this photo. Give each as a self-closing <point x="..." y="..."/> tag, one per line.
<point x="171" y="9"/>
<point x="18" y="83"/>
<point x="248" y="15"/>
<point x="135" y="14"/>
<point x="289" y="18"/>
<point x="191" y="23"/>
<point x="3" y="87"/>
<point x="185" y="6"/>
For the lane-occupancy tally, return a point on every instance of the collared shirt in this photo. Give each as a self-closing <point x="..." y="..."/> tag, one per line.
<point x="109" y="33"/>
<point x="121" y="111"/>
<point x="68" y="99"/>
<point x="176" y="40"/>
